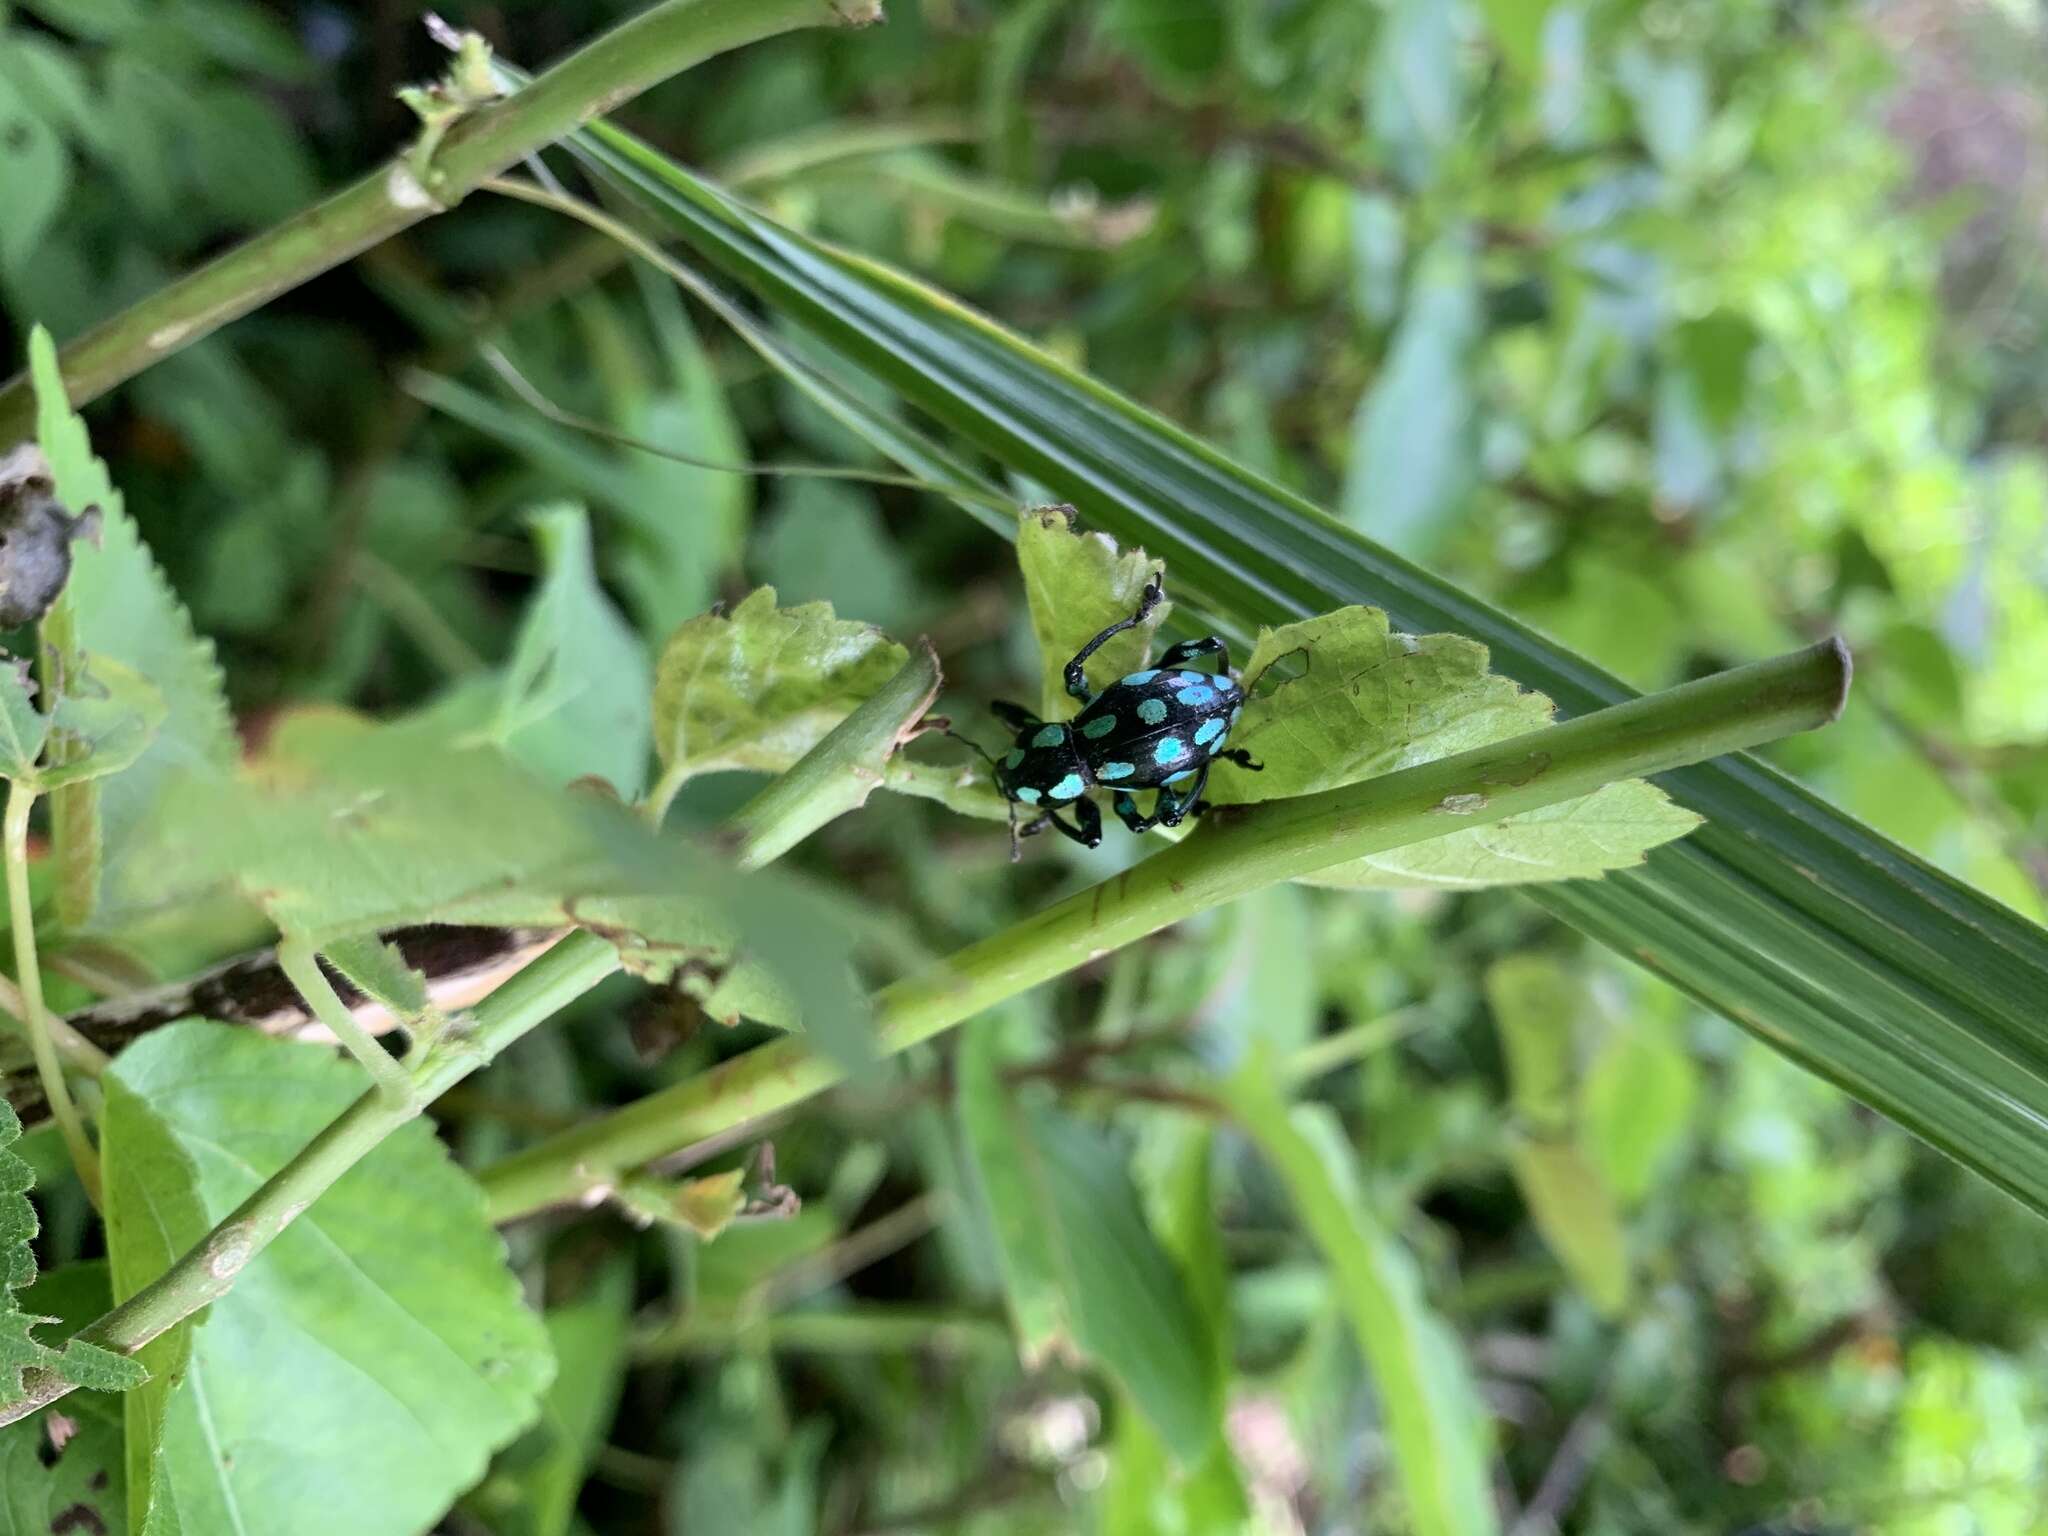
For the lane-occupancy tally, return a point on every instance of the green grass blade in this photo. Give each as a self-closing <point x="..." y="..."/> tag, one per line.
<point x="1916" y="993"/>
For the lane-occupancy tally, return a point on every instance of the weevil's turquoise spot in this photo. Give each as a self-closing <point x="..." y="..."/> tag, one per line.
<point x="1194" y="677"/>
<point x="1152" y="711"/>
<point x="1182" y="778"/>
<point x="1171" y="749"/>
<point x="1223" y="684"/>
<point x="1102" y="727"/>
<point x="1068" y="788"/>
<point x="1197" y="696"/>
<point x="1235" y="713"/>
<point x="1210" y="730"/>
<point x="1139" y="679"/>
<point x="1013" y="757"/>
<point x="1028" y="796"/>
<point x="1111" y="772"/>
<point x="1051" y="736"/>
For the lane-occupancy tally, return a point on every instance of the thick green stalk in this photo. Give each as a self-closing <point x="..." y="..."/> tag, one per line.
<point x="203" y="1274"/>
<point x="641" y="52"/>
<point x="1238" y="850"/>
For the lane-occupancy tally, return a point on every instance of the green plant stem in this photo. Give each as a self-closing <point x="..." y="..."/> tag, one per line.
<point x="641" y="52"/>
<point x="301" y="966"/>
<point x="21" y="800"/>
<point x="78" y="1053"/>
<point x="203" y="1274"/>
<point x="1238" y="850"/>
<point x="853" y="1330"/>
<point x="839" y="773"/>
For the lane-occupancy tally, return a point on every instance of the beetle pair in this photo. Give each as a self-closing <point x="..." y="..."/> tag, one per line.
<point x="1158" y="729"/>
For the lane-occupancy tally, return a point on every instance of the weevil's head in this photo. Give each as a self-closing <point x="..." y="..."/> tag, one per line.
<point x="1043" y="768"/>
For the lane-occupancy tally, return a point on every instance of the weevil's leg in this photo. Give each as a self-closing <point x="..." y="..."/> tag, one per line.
<point x="1242" y="758"/>
<point x="1077" y="680"/>
<point x="1174" y="805"/>
<point x="1188" y="650"/>
<point x="1126" y="807"/>
<point x="1088" y="834"/>
<point x="1015" y="716"/>
<point x="1089" y="815"/>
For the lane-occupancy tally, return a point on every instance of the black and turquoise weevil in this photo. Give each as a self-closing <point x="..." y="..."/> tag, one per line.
<point x="1157" y="729"/>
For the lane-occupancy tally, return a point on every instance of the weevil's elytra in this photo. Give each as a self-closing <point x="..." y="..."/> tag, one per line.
<point x="1158" y="728"/>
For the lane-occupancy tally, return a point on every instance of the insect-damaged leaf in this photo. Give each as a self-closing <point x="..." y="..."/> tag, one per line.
<point x="387" y="1303"/>
<point x="50" y="1486"/>
<point x="1360" y="699"/>
<point x="758" y="688"/>
<point x="1078" y="584"/>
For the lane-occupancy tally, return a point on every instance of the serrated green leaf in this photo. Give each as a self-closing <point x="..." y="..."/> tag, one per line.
<point x="574" y="700"/>
<point x="533" y="1491"/>
<point x="118" y="605"/>
<point x="1359" y="699"/>
<point x="1078" y="584"/>
<point x="380" y="971"/>
<point x="387" y="1303"/>
<point x="1437" y="1428"/>
<point x="23" y="727"/>
<point x="759" y="688"/>
<point x="109" y="715"/>
<point x="83" y="1364"/>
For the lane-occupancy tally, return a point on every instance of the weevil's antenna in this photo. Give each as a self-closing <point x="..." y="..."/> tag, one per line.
<point x="1016" y="843"/>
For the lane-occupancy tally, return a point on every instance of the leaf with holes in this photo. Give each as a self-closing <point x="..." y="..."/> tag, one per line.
<point x="758" y="688"/>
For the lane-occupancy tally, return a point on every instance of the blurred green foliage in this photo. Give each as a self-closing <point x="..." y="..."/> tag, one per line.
<point x="1662" y="323"/>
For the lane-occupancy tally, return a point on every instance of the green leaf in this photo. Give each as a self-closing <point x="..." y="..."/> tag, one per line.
<point x="109" y="715"/>
<point x="761" y="687"/>
<point x="380" y="972"/>
<point x="1434" y="1421"/>
<point x="1083" y="1269"/>
<point x="1078" y="584"/>
<point x="1181" y="43"/>
<point x="23" y="728"/>
<point x="387" y="1304"/>
<point x="1416" y="91"/>
<point x="1518" y="29"/>
<point x="83" y="1481"/>
<point x="1415" y="440"/>
<point x="841" y="771"/>
<point x="347" y="827"/>
<point x="1575" y="1212"/>
<point x="1636" y="1105"/>
<point x="1537" y="1006"/>
<point x="575" y="696"/>
<point x="827" y="542"/>
<point x="1364" y="700"/>
<point x="1892" y="980"/>
<point x="34" y="176"/>
<point x="83" y="1364"/>
<point x="119" y="606"/>
<point x="533" y="1492"/>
